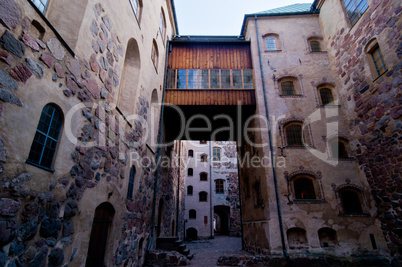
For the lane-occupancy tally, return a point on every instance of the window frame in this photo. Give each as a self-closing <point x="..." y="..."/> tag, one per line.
<point x="130" y="189"/>
<point x="203" y="176"/>
<point x="155" y="55"/>
<point x="356" y="4"/>
<point x="312" y="48"/>
<point x="204" y="157"/>
<point x="40" y="3"/>
<point x="296" y="87"/>
<point x="331" y="103"/>
<point x="272" y="46"/>
<point x="216" y="152"/>
<point x="47" y="137"/>
<point x="203" y="194"/>
<point x="380" y="56"/>
<point x="137" y="9"/>
<point x="287" y="138"/>
<point x="219" y="186"/>
<point x="162" y="25"/>
<point x="344" y="143"/>
<point x="311" y="185"/>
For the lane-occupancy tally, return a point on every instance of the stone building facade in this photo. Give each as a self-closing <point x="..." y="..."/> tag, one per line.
<point x="212" y="200"/>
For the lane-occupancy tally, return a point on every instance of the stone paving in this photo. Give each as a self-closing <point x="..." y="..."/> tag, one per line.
<point x="207" y="252"/>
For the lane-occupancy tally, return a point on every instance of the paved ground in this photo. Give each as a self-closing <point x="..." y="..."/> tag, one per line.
<point x="207" y="252"/>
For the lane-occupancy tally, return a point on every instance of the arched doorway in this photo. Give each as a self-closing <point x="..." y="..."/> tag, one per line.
<point x="221" y="216"/>
<point x="160" y="218"/>
<point x="192" y="234"/>
<point x="100" y="228"/>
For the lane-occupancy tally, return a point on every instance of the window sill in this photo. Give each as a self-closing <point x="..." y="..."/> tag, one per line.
<point x="39" y="166"/>
<point x="379" y="76"/>
<point x="342" y="159"/>
<point x="329" y="106"/>
<point x="272" y="51"/>
<point x="292" y="96"/>
<point x="318" y="52"/>
<point x="363" y="214"/>
<point x="309" y="201"/>
<point x="298" y="147"/>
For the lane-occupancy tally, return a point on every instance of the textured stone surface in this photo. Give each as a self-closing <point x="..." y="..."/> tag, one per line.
<point x="11" y="44"/>
<point x="6" y="57"/>
<point x="93" y="62"/>
<point x="27" y="230"/>
<point x="10" y="15"/>
<point x="93" y="87"/>
<point x="68" y="228"/>
<point x="56" y="257"/>
<point x="71" y="84"/>
<point x="29" y="41"/>
<point x="50" y="228"/>
<point x="7" y="231"/>
<point x="59" y="69"/>
<point x="70" y="209"/>
<point x="9" y="207"/>
<point x="35" y="67"/>
<point x="21" y="73"/>
<point x="74" y="66"/>
<point x="30" y="211"/>
<point x="40" y="257"/>
<point x="7" y="82"/>
<point x="94" y="28"/>
<point x="7" y="96"/>
<point x="47" y="59"/>
<point x="56" y="48"/>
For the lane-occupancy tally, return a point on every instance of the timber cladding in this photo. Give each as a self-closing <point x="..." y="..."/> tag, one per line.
<point x="210" y="97"/>
<point x="210" y="56"/>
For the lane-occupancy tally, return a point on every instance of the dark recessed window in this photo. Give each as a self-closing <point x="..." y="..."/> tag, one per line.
<point x="326" y="96"/>
<point x="192" y="214"/>
<point x="294" y="135"/>
<point x="189" y="190"/>
<point x="46" y="137"/>
<point x="190" y="172"/>
<point x="288" y="88"/>
<point x="350" y="201"/>
<point x="315" y="46"/>
<point x="130" y="190"/>
<point x="203" y="196"/>
<point x="338" y="149"/>
<point x="190" y="153"/>
<point x="203" y="176"/>
<point x="304" y="188"/>
<point x="216" y="154"/>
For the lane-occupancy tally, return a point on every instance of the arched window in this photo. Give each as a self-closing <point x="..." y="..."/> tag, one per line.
<point x="192" y="214"/>
<point x="40" y="4"/>
<point x="203" y="196"/>
<point x="217" y="154"/>
<point x="327" y="237"/>
<point x="272" y="42"/>
<point x="203" y="176"/>
<point x="162" y="25"/>
<point x="190" y="172"/>
<point x="130" y="190"/>
<point x="294" y="134"/>
<point x="190" y="153"/>
<point x="303" y="188"/>
<point x="326" y="96"/>
<point x="189" y="190"/>
<point x="350" y="201"/>
<point x="339" y="148"/>
<point x="219" y="186"/>
<point x="204" y="158"/>
<point x="155" y="54"/>
<point x="288" y="87"/>
<point x="46" y="137"/>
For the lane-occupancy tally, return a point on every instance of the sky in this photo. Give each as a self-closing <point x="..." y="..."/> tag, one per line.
<point x="220" y="17"/>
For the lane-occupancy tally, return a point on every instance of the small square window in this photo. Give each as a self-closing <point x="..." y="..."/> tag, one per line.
<point x="378" y="61"/>
<point x="271" y="43"/>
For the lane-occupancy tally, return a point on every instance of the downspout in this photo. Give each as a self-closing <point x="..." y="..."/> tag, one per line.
<point x="210" y="186"/>
<point x="239" y="190"/>
<point x="159" y="149"/>
<point x="178" y="190"/>
<point x="285" y="253"/>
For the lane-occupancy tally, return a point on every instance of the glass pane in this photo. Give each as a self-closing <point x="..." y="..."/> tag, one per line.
<point x="315" y="46"/>
<point x="225" y="78"/>
<point x="237" y="80"/>
<point x="271" y="45"/>
<point x="214" y="79"/>
<point x="294" y="135"/>
<point x="193" y="79"/>
<point x="288" y="88"/>
<point x="171" y="79"/>
<point x="248" y="79"/>
<point x="204" y="79"/>
<point x="326" y="96"/>
<point x="362" y="6"/>
<point x="181" y="79"/>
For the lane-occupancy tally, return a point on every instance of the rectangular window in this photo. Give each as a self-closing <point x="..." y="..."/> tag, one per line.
<point x="181" y="79"/>
<point x="225" y="79"/>
<point x="219" y="186"/>
<point x="171" y="78"/>
<point x="204" y="79"/>
<point x="217" y="154"/>
<point x="248" y="79"/>
<point x="237" y="79"/>
<point x="193" y="79"/>
<point x="214" y="75"/>
<point x="355" y="9"/>
<point x="378" y="61"/>
<point x="288" y="88"/>
<point x="271" y="45"/>
<point x="40" y="4"/>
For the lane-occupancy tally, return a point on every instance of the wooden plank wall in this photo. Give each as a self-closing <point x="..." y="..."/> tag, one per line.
<point x="209" y="97"/>
<point x="209" y="56"/>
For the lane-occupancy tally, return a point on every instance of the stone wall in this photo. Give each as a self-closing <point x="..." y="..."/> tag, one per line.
<point x="372" y="104"/>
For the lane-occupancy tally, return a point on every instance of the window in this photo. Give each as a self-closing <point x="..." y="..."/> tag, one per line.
<point x="189" y="190"/>
<point x="203" y="176"/>
<point x="162" y="25"/>
<point x="131" y="183"/>
<point x="355" y="9"/>
<point x="181" y="79"/>
<point x="327" y="237"/>
<point x="217" y="154"/>
<point x="326" y="96"/>
<point x="203" y="196"/>
<point x="40" y="4"/>
<point x="297" y="238"/>
<point x="46" y="137"/>
<point x="338" y="149"/>
<point x="204" y="158"/>
<point x="154" y="54"/>
<point x="350" y="201"/>
<point x="304" y="188"/>
<point x="219" y="186"/>
<point x="378" y="61"/>
<point x="192" y="214"/>
<point x="293" y="132"/>
<point x="271" y="43"/>
<point x="315" y="46"/>
<point x="193" y="81"/>
<point x="288" y="88"/>
<point x="190" y="172"/>
<point x="137" y="8"/>
<point x="190" y="153"/>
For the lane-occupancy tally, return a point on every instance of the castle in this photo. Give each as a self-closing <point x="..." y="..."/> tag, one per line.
<point x="95" y="96"/>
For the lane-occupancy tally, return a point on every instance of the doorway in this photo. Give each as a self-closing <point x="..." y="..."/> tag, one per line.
<point x="221" y="215"/>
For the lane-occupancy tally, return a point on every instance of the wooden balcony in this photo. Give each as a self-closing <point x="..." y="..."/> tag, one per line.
<point x="219" y="97"/>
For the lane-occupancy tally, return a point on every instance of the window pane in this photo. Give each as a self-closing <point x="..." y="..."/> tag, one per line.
<point x="315" y="46"/>
<point x="294" y="135"/>
<point x="304" y="189"/>
<point x="271" y="45"/>
<point x="214" y="79"/>
<point x="350" y="202"/>
<point x="225" y="77"/>
<point x="326" y="96"/>
<point x="181" y="79"/>
<point x="193" y="79"/>
<point x="171" y="79"/>
<point x="204" y="79"/>
<point x="248" y="79"/>
<point x="288" y="88"/>
<point x="237" y="79"/>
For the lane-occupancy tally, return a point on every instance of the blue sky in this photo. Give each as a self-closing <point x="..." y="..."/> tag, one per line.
<point x="220" y="17"/>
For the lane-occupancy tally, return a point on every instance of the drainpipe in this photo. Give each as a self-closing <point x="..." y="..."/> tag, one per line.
<point x="159" y="150"/>
<point x="210" y="186"/>
<point x="278" y="206"/>
<point x="178" y="191"/>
